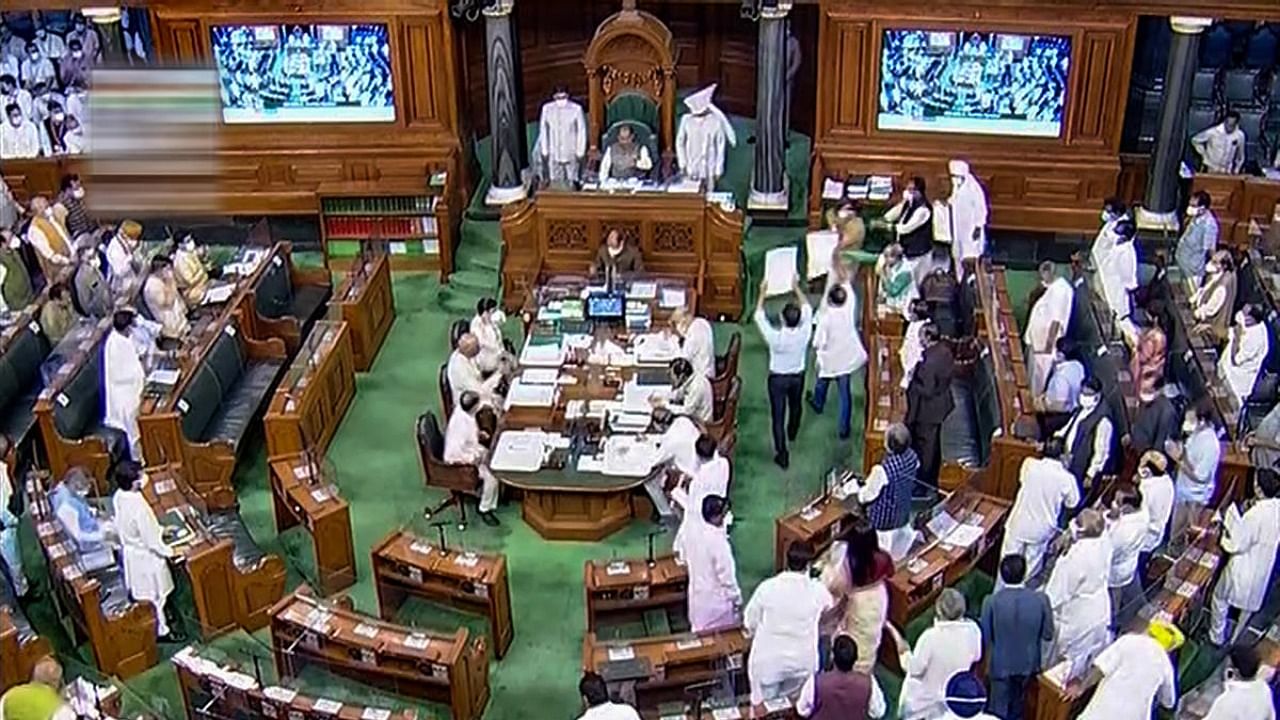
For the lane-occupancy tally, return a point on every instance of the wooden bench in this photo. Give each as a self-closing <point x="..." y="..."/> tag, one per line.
<point x="286" y="299"/>
<point x="20" y="645"/>
<point x="368" y="307"/>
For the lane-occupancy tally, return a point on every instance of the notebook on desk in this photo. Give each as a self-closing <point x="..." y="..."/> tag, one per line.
<point x="626" y="670"/>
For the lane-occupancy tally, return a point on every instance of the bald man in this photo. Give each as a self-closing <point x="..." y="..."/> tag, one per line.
<point x="464" y="373"/>
<point x="49" y="237"/>
<point x="38" y="699"/>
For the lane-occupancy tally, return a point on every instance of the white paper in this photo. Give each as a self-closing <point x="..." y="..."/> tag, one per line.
<point x="630" y="422"/>
<point x="818" y="246"/>
<point x="780" y="270"/>
<point x="729" y="713"/>
<point x="539" y="376"/>
<point x="643" y="290"/>
<point x="329" y="707"/>
<point x="416" y="641"/>
<point x="965" y="535"/>
<point x="542" y="355"/>
<point x="218" y="294"/>
<point x="163" y="377"/>
<point x="672" y="298"/>
<point x="942" y="524"/>
<point x="618" y="654"/>
<point x="628" y="456"/>
<point x="375" y="714"/>
<point x="279" y="694"/>
<point x="527" y="395"/>
<point x="590" y="464"/>
<point x="832" y="189"/>
<point x="655" y="348"/>
<point x="518" y="451"/>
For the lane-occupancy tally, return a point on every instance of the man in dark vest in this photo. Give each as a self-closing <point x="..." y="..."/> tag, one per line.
<point x="841" y="693"/>
<point x="929" y="402"/>
<point x="1088" y="438"/>
<point x="886" y="494"/>
<point x="912" y="221"/>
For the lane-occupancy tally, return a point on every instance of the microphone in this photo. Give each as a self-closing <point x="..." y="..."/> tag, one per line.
<point x="651" y="536"/>
<point x="440" y="528"/>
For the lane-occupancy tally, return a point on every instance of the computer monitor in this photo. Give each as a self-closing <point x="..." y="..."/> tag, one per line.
<point x="606" y="305"/>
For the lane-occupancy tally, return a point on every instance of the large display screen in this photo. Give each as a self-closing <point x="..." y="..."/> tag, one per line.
<point x="304" y="73"/>
<point x="973" y="82"/>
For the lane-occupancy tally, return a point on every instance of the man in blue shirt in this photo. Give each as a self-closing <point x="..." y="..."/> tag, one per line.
<point x="788" y="351"/>
<point x="1062" y="389"/>
<point x="1015" y="620"/>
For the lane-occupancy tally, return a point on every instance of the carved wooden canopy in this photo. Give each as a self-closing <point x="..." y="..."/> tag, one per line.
<point x="632" y="51"/>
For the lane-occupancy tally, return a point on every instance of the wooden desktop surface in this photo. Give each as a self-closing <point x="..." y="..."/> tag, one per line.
<point x="311" y="400"/>
<point x="301" y="497"/>
<point x="406" y="565"/>
<point x="674" y="662"/>
<point x="629" y="587"/>
<point x="368" y="307"/>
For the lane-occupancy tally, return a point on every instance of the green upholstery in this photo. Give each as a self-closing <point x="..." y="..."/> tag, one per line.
<point x="633" y="106"/>
<point x="226" y="392"/>
<point x="644" y="136"/>
<point x="274" y="294"/>
<point x="78" y="407"/>
<point x="226" y="359"/>
<point x="199" y="401"/>
<point x="21" y="382"/>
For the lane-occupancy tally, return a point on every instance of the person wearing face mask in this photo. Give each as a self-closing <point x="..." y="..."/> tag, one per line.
<point x="1061" y="394"/>
<point x="715" y="600"/>
<point x="71" y="198"/>
<point x="87" y="37"/>
<point x="968" y="209"/>
<point x="146" y="556"/>
<point x="895" y="286"/>
<point x="1127" y="523"/>
<point x="1155" y="422"/>
<point x="15" y="280"/>
<point x="1118" y="275"/>
<point x="1150" y="349"/>
<point x="1245" y="692"/>
<point x="1221" y="146"/>
<point x="1212" y="301"/>
<point x="75" y="67"/>
<point x="1049" y="318"/>
<point x="1045" y="490"/>
<point x="124" y="256"/>
<point x="1246" y="351"/>
<point x="51" y="45"/>
<point x="37" y="68"/>
<point x="697" y="343"/>
<point x="929" y="402"/>
<point x="886" y="494"/>
<point x="487" y="327"/>
<point x="1198" y="240"/>
<point x="19" y="138"/>
<point x="123" y="377"/>
<point x="57" y="316"/>
<point x="82" y="520"/>
<point x="625" y="159"/>
<point x="160" y="291"/>
<point x="1087" y="437"/>
<point x="1078" y="592"/>
<point x="1113" y="211"/>
<point x="562" y="139"/>
<point x="190" y="271"/>
<point x="91" y="291"/>
<point x="49" y="237"/>
<point x="700" y="142"/>
<point x="951" y="645"/>
<point x="912" y="349"/>
<point x="616" y="258"/>
<point x="912" y="224"/>
<point x="1156" y="488"/>
<point x="12" y="93"/>
<point x="62" y="133"/>
<point x="1251" y="541"/>
<point x="1197" y="458"/>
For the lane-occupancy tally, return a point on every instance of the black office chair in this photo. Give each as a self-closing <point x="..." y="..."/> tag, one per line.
<point x="446" y="391"/>
<point x="460" y="481"/>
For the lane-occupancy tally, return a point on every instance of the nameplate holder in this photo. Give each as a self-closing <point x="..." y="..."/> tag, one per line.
<point x="183" y="405"/>
<point x="1102" y="350"/>
<point x="229" y="330"/>
<point x="63" y="400"/>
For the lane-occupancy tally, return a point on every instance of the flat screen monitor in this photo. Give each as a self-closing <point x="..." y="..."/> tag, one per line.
<point x="606" y="305"/>
<point x="304" y="73"/>
<point x="987" y="83"/>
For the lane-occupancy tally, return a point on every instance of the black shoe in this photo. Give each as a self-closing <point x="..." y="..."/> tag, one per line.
<point x="793" y="434"/>
<point x="782" y="460"/>
<point x="808" y="399"/>
<point x="490" y="519"/>
<point x="842" y="436"/>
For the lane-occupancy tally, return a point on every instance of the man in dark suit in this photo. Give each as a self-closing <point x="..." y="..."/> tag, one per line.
<point x="929" y="402"/>
<point x="1014" y="622"/>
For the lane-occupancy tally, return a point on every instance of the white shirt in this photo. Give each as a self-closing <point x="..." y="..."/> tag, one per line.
<point x="713" y="580"/>
<point x="1045" y="488"/>
<point x="946" y="648"/>
<point x="1252" y="545"/>
<point x="788" y="346"/>
<point x="1127" y="535"/>
<point x="1222" y="152"/>
<point x="876" y="705"/>
<point x="1062" y="391"/>
<point x="1157" y="501"/>
<point x="711" y="478"/>
<point x="1243" y="700"/>
<point x="1101" y="449"/>
<point x="1119" y="275"/>
<point x="462" y="439"/>
<point x="700" y="146"/>
<point x="782" y="617"/>
<point x="1078" y="593"/>
<point x="488" y="332"/>
<point x="912" y="350"/>
<point x="699" y="348"/>
<point x="610" y="711"/>
<point x="146" y="572"/>
<point x="839" y="349"/>
<point x="562" y="131"/>
<point x="968" y="203"/>
<point x="464" y="374"/>
<point x="19" y="142"/>
<point x="120" y="262"/>
<point x="124" y="378"/>
<point x="676" y="446"/>
<point x="1136" y="670"/>
<point x="694" y="398"/>
<point x="1201" y="452"/>
<point x="1241" y="362"/>
<point x="1054" y="306"/>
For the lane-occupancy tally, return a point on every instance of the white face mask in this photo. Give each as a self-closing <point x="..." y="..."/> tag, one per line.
<point x="1194" y="210"/>
<point x="1240" y="318"/>
<point x="1107" y="216"/>
<point x="14" y="243"/>
<point x="94" y="262"/>
<point x="562" y="101"/>
<point x="615" y="251"/>
<point x="1088" y="402"/>
<point x="78" y="193"/>
<point x="48" y="212"/>
<point x="59" y="117"/>
<point x="1144" y="472"/>
<point x="77" y="54"/>
<point x="1188" y="426"/>
<point x="1211" y="267"/>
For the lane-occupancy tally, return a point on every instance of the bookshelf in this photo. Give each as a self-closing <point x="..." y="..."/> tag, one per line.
<point x="413" y="222"/>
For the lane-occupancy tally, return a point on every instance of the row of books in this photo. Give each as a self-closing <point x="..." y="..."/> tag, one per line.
<point x="381" y="205"/>
<point x="393" y="227"/>
<point x="858" y="187"/>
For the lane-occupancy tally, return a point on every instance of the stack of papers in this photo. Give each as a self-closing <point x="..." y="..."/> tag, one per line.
<point x="685" y="186"/>
<point x="628" y="455"/>
<point x="636" y="398"/>
<point x="818" y="246"/>
<point x="518" y="451"/>
<point x="832" y="189"/>
<point x="879" y="187"/>
<point x="629" y="422"/>
<point x="542" y="355"/>
<point x="540" y="376"/>
<point x="525" y="394"/>
<point x="672" y="298"/>
<point x="163" y="376"/>
<point x="964" y="536"/>
<point x="655" y="348"/>
<point x="218" y="294"/>
<point x="642" y="290"/>
<point x="941" y="525"/>
<point x="780" y="270"/>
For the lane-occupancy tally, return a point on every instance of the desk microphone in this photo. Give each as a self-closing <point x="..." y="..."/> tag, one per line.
<point x="652" y="535"/>
<point x="440" y="528"/>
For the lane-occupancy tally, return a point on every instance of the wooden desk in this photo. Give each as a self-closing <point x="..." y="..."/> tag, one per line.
<point x="932" y="564"/>
<point x="1237" y="199"/>
<point x="672" y="662"/>
<point x="315" y="393"/>
<point x="405" y="565"/>
<point x="818" y="522"/>
<point x="629" y="588"/>
<point x="227" y="593"/>
<point x="121" y="633"/>
<point x="781" y="711"/>
<point x="678" y="234"/>
<point x="447" y="669"/>
<point x="219" y="691"/>
<point x="20" y="649"/>
<point x="301" y="498"/>
<point x="368" y="307"/>
<point x="1185" y="589"/>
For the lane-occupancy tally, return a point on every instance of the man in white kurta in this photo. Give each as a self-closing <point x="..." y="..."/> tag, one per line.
<point x="1045" y="489"/>
<point x="19" y="137"/>
<point x="951" y="645"/>
<point x="562" y="139"/>
<point x="697" y="343"/>
<point x="486" y="325"/>
<point x="710" y="479"/>
<point x="1113" y="211"/>
<point x="1134" y="671"/>
<point x="123" y="380"/>
<point x="714" y="595"/>
<point x="1048" y="321"/>
<point x="1247" y="348"/>
<point x="146" y="567"/>
<point x="1118" y="272"/>
<point x="1156" y="488"/>
<point x="1245" y="692"/>
<point x="968" y="204"/>
<point x="782" y="618"/>
<point x="1078" y="594"/>
<point x="462" y="446"/>
<point x="1126" y="530"/>
<point x="675" y="449"/>
<point x="839" y="351"/>
<point x="464" y="373"/>
<point x="700" y="142"/>
<point x="124" y="261"/>
<point x="1251" y="541"/>
<point x="1221" y="147"/>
